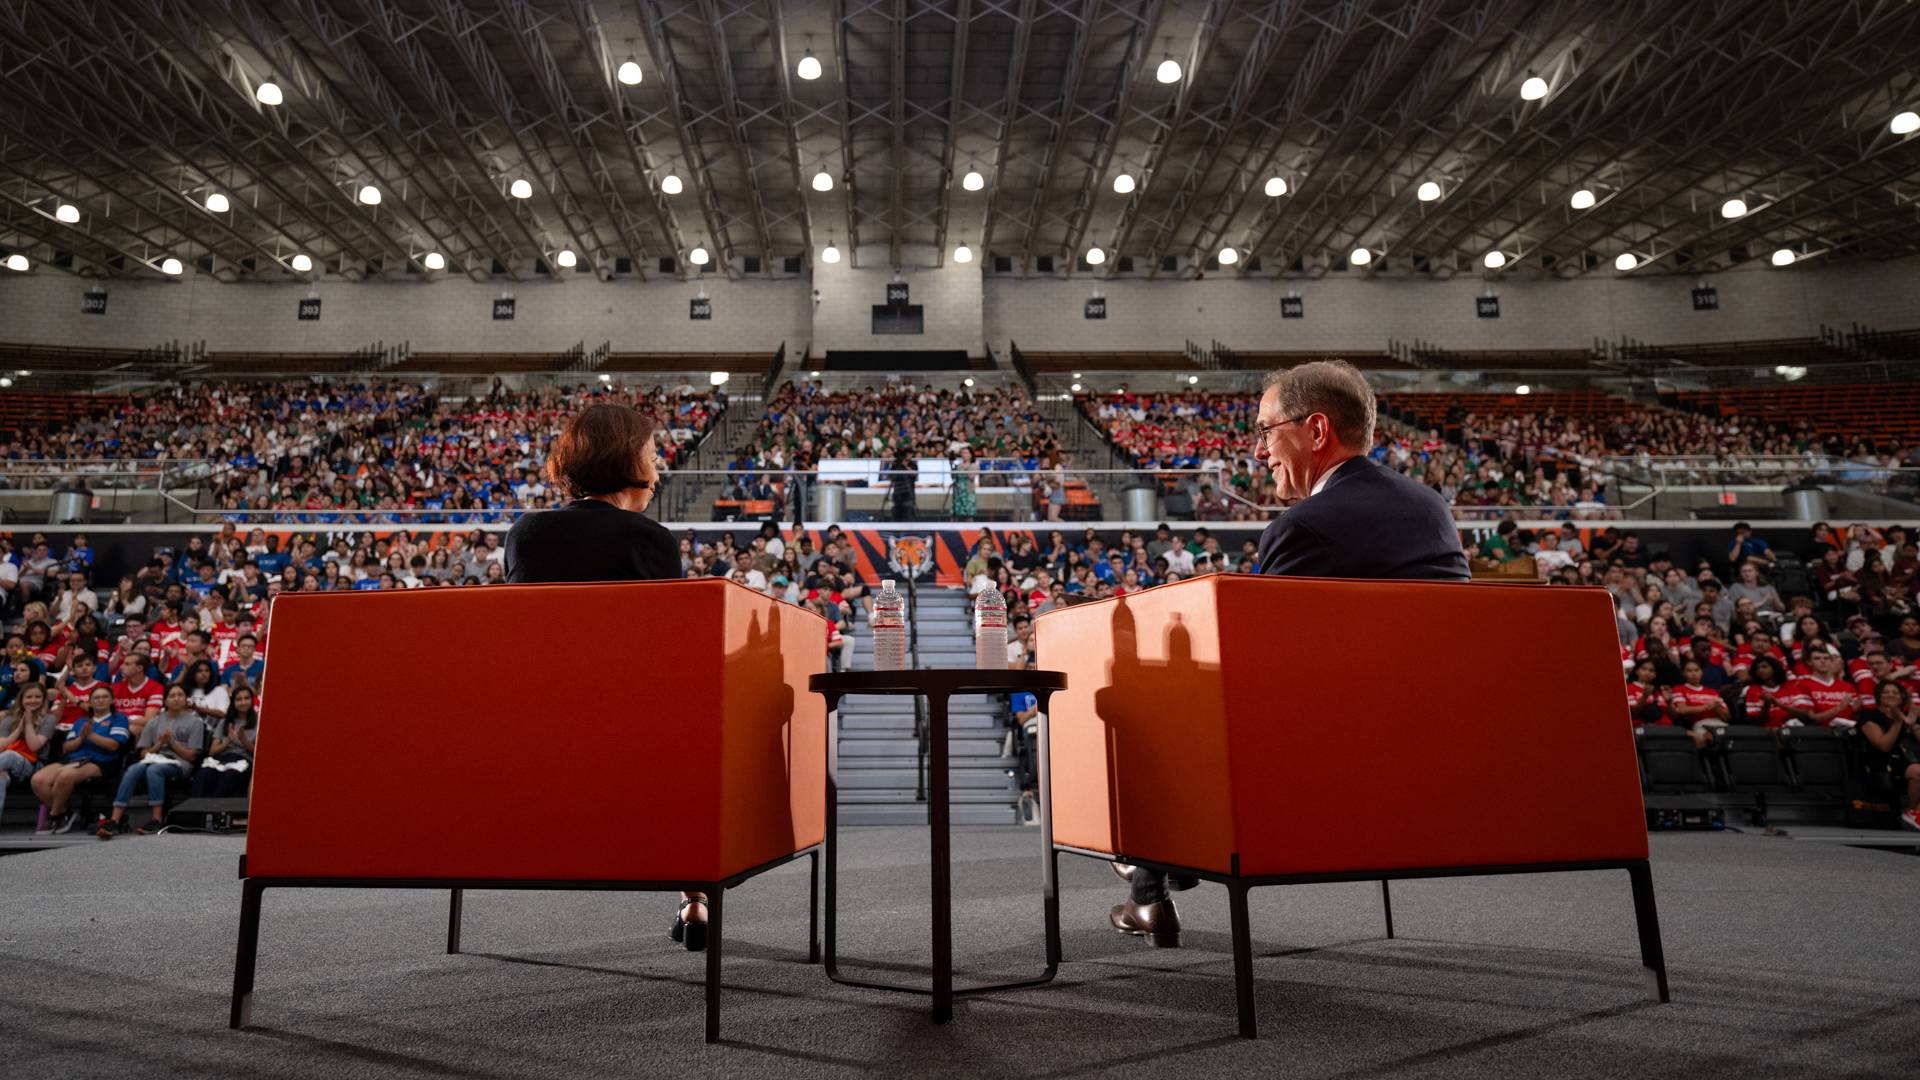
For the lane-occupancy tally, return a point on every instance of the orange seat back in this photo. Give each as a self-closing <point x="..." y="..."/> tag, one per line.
<point x="1314" y="726"/>
<point x="644" y="731"/>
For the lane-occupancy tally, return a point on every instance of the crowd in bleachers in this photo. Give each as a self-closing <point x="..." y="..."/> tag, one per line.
<point x="384" y="451"/>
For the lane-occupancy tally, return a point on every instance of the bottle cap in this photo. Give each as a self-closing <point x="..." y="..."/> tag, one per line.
<point x="886" y="583"/>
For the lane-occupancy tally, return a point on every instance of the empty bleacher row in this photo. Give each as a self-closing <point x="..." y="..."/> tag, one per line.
<point x="1877" y="413"/>
<point x="1445" y="410"/>
<point x="1765" y="353"/>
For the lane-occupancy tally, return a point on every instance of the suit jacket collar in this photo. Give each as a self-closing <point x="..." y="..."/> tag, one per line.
<point x="1349" y="467"/>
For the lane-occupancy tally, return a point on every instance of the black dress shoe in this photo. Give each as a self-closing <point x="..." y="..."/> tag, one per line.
<point x="1175" y="882"/>
<point x="1159" y="922"/>
<point x="690" y="925"/>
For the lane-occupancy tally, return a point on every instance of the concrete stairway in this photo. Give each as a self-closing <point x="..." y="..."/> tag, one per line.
<point x="879" y="755"/>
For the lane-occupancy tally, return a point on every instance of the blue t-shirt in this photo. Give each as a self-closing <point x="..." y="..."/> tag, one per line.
<point x="1022" y="701"/>
<point x="113" y="727"/>
<point x="252" y="670"/>
<point x="272" y="562"/>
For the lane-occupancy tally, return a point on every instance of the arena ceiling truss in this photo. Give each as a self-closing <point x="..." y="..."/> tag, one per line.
<point x="506" y="138"/>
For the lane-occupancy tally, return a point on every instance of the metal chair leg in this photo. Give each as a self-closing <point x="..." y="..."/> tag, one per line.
<point x="1242" y="961"/>
<point x="245" y="954"/>
<point x="715" y="937"/>
<point x="1648" y="920"/>
<point x="455" y="902"/>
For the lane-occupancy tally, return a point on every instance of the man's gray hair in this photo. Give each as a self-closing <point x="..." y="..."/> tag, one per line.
<point x="1333" y="387"/>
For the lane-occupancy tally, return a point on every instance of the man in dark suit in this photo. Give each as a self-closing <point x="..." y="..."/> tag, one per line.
<point x="1345" y="517"/>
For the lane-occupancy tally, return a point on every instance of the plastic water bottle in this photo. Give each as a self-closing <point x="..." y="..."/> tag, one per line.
<point x="990" y="630"/>
<point x="889" y="629"/>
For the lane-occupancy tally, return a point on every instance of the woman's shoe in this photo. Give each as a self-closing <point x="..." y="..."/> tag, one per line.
<point x="690" y="924"/>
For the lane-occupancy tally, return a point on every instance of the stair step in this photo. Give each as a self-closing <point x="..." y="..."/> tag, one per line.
<point x="957" y="746"/>
<point x="916" y="814"/>
<point x="904" y="793"/>
<point x="873" y="727"/>
<point x="906" y="757"/>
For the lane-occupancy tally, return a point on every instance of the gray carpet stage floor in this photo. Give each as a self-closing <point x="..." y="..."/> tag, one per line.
<point x="1788" y="959"/>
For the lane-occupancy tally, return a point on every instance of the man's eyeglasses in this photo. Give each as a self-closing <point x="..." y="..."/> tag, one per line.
<point x="1261" y="431"/>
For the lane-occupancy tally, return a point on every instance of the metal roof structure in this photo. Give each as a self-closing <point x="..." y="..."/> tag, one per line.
<point x="133" y="112"/>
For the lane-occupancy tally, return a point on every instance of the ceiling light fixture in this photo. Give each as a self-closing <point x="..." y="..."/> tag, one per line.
<point x="1905" y="124"/>
<point x="718" y="378"/>
<point x="217" y="203"/>
<point x="808" y="68"/>
<point x="1582" y="200"/>
<point x="671" y="185"/>
<point x="1523" y="389"/>
<point x="1076" y="388"/>
<point x="823" y="181"/>
<point x="973" y="181"/>
<point x="1360" y="257"/>
<point x="18" y="262"/>
<point x="1534" y="88"/>
<point x="698" y="256"/>
<point x="566" y="258"/>
<point x="963" y="254"/>
<point x="267" y="93"/>
<point x="1783" y="257"/>
<point x="1193" y="380"/>
<point x="301" y="262"/>
<point x="1495" y="259"/>
<point x="1095" y="256"/>
<point x="1228" y="256"/>
<point x="1428" y="192"/>
<point x="1276" y="187"/>
<point x="829" y="254"/>
<point x="434" y="261"/>
<point x="1733" y="208"/>
<point x="1168" y="71"/>
<point x="66" y="212"/>
<point x="369" y="195"/>
<point x="1123" y="184"/>
<point x="630" y="72"/>
<point x="520" y="189"/>
<point x="171" y="266"/>
<point x="1625" y="261"/>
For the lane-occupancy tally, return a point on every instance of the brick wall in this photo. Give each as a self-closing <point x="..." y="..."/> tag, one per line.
<point x="951" y="297"/>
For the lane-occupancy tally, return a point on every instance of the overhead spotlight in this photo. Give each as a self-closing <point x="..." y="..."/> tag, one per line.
<point x="369" y="195"/>
<point x="520" y="189"/>
<point x="1495" y="259"/>
<point x="1783" y="257"/>
<point x="5" y="382"/>
<point x="566" y="258"/>
<point x="823" y="181"/>
<point x="1625" y="261"/>
<point x="1095" y="256"/>
<point x="1228" y="256"/>
<point x="1276" y="187"/>
<point x="1905" y="124"/>
<point x="1360" y="257"/>
<point x="829" y="254"/>
<point x="1427" y="192"/>
<point x="434" y="261"/>
<point x="17" y="262"/>
<point x="813" y="374"/>
<point x="973" y="181"/>
<point x="968" y="381"/>
<point x="1076" y="375"/>
<point x="301" y="262"/>
<point x="963" y="254"/>
<point x="1582" y="200"/>
<point x="171" y="266"/>
<point x="1523" y="389"/>
<point x="267" y="93"/>
<point x="718" y="378"/>
<point x="1193" y="380"/>
<point x="1076" y="388"/>
<point x="605" y="377"/>
<point x="23" y="373"/>
<point x="671" y="184"/>
<point x="809" y="67"/>
<point x="698" y="257"/>
<point x="1123" y="184"/>
<point x="216" y="202"/>
<point x="1534" y="88"/>
<point x="630" y="72"/>
<point x="1733" y="208"/>
<point x="66" y="212"/>
<point x="1168" y="71"/>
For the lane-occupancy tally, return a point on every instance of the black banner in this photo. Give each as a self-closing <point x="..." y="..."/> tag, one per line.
<point x="1706" y="298"/>
<point x="503" y="308"/>
<point x="1096" y="307"/>
<point x="1293" y="307"/>
<point x="309" y="309"/>
<point x="896" y="293"/>
<point x="93" y="303"/>
<point x="1487" y="307"/>
<point x="700" y="308"/>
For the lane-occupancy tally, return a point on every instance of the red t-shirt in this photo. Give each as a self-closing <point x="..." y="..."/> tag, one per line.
<point x="1695" y="697"/>
<point x="73" y="700"/>
<point x="1716" y="652"/>
<point x="1812" y="694"/>
<point x="1743" y="658"/>
<point x="133" y="704"/>
<point x="1638" y="695"/>
<point x="1759" y="713"/>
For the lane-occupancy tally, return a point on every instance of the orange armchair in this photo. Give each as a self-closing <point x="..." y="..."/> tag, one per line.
<point x="1204" y="722"/>
<point x="702" y="733"/>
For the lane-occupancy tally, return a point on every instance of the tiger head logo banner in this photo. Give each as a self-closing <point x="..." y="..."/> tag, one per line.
<point x="911" y="556"/>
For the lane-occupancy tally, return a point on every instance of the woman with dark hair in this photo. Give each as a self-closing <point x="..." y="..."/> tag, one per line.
<point x="605" y="464"/>
<point x="1766" y="683"/>
<point x="1891" y="728"/>
<point x="205" y="693"/>
<point x="607" y="467"/>
<point x="1646" y="703"/>
<point x="229" y="766"/>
